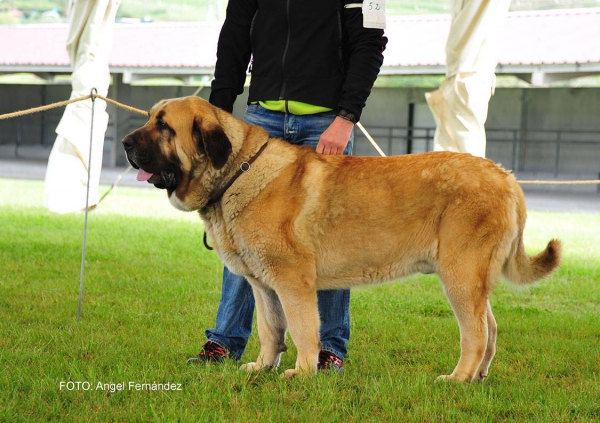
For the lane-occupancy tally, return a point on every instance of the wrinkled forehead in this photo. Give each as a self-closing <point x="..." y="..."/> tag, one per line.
<point x="165" y="109"/>
<point x="173" y="114"/>
<point x="157" y="107"/>
<point x="181" y="110"/>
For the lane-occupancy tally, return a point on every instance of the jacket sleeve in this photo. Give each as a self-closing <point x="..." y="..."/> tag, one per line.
<point x="364" y="52"/>
<point x="233" y="54"/>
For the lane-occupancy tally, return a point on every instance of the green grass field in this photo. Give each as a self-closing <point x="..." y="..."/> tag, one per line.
<point x="151" y="289"/>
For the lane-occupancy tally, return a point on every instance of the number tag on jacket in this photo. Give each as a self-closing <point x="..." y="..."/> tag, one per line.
<point x="374" y="14"/>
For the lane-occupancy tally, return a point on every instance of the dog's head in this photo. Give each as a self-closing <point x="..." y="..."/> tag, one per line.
<point x="181" y="141"/>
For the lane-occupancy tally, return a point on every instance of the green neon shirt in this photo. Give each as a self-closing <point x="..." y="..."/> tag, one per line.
<point x="293" y="107"/>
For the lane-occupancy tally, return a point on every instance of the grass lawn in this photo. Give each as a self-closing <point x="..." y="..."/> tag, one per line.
<point x="151" y="289"/>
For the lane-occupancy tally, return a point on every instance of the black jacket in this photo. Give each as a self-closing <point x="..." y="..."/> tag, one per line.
<point x="313" y="51"/>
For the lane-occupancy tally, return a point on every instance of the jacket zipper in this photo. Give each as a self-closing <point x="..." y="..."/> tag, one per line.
<point x="251" y="46"/>
<point x="285" y="50"/>
<point x="340" y="11"/>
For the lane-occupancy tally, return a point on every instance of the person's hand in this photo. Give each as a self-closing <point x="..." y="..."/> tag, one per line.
<point x="335" y="138"/>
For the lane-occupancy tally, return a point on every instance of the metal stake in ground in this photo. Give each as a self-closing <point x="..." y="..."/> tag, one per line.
<point x="93" y="94"/>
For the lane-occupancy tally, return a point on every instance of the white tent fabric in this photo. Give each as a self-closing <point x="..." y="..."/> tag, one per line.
<point x="460" y="105"/>
<point x="90" y="39"/>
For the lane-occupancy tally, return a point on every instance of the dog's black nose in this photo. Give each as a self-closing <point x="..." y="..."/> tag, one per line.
<point x="128" y="142"/>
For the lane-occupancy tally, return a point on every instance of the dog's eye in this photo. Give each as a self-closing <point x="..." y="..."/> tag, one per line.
<point x="160" y="125"/>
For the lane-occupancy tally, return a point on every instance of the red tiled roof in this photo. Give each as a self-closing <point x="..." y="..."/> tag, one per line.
<point x="539" y="38"/>
<point x="166" y="45"/>
<point x="552" y="37"/>
<point x="135" y="45"/>
<point x="417" y="40"/>
<point x="564" y="36"/>
<point x="33" y="45"/>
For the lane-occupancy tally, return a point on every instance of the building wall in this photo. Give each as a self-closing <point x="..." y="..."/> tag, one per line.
<point x="33" y="129"/>
<point x="523" y="126"/>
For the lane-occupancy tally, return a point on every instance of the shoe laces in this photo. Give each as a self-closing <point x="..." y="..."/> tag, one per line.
<point x="213" y="351"/>
<point x="328" y="359"/>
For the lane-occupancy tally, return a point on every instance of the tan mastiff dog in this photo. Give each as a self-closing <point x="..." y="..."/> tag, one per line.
<point x="293" y="222"/>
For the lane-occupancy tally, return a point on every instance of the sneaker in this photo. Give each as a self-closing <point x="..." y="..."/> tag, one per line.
<point x="329" y="361"/>
<point x="211" y="353"/>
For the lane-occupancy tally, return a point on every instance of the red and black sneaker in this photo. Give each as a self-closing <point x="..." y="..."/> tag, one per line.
<point x="211" y="353"/>
<point x="329" y="361"/>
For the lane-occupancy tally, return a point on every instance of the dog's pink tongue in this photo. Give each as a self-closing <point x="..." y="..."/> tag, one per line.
<point x="143" y="175"/>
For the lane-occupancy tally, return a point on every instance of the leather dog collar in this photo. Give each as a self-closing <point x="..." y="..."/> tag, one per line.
<point x="244" y="167"/>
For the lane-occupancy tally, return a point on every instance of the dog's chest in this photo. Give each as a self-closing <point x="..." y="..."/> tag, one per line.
<point x="221" y="235"/>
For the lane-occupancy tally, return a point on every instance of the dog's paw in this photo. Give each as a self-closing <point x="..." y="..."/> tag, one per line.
<point x="452" y="378"/>
<point x="444" y="378"/>
<point x="251" y="367"/>
<point x="482" y="376"/>
<point x="289" y="374"/>
<point x="298" y="372"/>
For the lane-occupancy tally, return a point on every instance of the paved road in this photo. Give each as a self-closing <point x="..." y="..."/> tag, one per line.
<point x="588" y="202"/>
<point x="32" y="169"/>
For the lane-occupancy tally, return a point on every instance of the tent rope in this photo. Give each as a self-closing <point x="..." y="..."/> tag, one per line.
<point x="145" y="113"/>
<point x="583" y="182"/>
<point x="66" y="103"/>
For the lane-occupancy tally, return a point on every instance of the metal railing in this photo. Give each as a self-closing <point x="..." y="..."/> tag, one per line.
<point x="550" y="151"/>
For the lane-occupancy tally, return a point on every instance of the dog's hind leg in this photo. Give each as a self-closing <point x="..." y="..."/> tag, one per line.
<point x="468" y="296"/>
<point x="272" y="325"/>
<point x="491" y="344"/>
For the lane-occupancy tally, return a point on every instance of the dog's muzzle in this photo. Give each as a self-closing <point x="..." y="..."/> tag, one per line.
<point x="147" y="171"/>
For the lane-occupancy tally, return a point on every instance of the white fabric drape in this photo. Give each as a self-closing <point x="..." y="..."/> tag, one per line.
<point x="91" y="28"/>
<point x="460" y="105"/>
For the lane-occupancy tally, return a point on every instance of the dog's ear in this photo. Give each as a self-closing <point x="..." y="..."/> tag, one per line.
<point x="212" y="141"/>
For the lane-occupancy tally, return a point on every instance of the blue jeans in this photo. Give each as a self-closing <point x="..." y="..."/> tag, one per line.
<point x="236" y="308"/>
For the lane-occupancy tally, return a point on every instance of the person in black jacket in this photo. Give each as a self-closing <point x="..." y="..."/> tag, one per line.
<point x="313" y="64"/>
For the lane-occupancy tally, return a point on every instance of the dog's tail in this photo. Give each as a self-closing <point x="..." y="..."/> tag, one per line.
<point x="521" y="269"/>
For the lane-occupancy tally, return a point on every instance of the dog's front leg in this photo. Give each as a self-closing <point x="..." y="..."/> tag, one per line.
<point x="271" y="329"/>
<point x="299" y="302"/>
